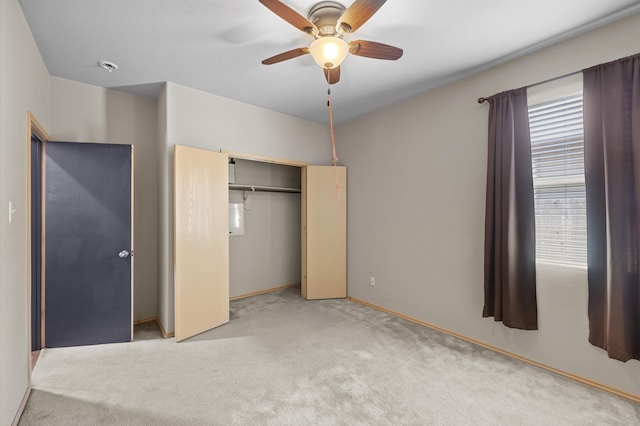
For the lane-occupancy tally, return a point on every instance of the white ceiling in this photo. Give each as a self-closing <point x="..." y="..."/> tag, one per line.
<point x="217" y="45"/>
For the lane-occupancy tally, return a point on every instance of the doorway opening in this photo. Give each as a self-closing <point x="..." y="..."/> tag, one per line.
<point x="321" y="223"/>
<point x="264" y="227"/>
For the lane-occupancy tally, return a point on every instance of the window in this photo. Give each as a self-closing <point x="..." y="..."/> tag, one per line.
<point x="557" y="157"/>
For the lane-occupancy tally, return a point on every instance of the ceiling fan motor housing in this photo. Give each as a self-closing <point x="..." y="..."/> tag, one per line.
<point x="325" y="16"/>
<point x="327" y="22"/>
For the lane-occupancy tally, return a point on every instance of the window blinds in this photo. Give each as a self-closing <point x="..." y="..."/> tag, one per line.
<point x="557" y="157"/>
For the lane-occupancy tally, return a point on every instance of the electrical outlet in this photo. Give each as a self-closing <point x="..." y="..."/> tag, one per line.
<point x="372" y="280"/>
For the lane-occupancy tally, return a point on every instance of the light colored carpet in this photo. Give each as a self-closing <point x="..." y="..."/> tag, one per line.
<point x="286" y="361"/>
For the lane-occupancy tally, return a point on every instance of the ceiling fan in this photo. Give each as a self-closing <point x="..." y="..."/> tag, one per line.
<point x="327" y="23"/>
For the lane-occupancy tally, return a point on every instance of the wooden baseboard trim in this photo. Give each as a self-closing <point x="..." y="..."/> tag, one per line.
<point x="164" y="333"/>
<point x="269" y="290"/>
<point x="23" y="404"/>
<point x="157" y="321"/>
<point x="576" y="378"/>
<point x="145" y="320"/>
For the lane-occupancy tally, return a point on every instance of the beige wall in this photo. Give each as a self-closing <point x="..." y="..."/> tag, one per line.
<point x="426" y="154"/>
<point x="417" y="173"/>
<point x="24" y="86"/>
<point x="86" y="113"/>
<point x="206" y="121"/>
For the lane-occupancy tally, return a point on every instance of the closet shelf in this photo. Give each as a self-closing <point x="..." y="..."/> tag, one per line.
<point x="262" y="188"/>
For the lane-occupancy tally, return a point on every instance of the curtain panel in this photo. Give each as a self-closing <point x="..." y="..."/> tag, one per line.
<point x="612" y="177"/>
<point x="509" y="256"/>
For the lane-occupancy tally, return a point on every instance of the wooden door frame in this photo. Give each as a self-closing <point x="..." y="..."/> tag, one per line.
<point x="34" y="129"/>
<point x="263" y="159"/>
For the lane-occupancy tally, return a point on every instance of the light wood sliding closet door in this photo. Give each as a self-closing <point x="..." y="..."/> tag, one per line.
<point x="324" y="232"/>
<point x="201" y="240"/>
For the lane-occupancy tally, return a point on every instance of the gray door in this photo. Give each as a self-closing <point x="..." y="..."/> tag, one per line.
<point x="87" y="244"/>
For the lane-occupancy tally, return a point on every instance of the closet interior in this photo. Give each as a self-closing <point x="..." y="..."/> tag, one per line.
<point x="264" y="226"/>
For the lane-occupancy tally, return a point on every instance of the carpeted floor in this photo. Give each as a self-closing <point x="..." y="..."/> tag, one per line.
<point x="286" y="361"/>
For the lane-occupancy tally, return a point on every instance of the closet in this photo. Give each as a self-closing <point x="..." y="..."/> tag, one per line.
<point x="264" y="226"/>
<point x="267" y="194"/>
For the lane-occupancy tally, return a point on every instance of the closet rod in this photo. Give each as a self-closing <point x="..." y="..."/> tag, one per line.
<point x="239" y="187"/>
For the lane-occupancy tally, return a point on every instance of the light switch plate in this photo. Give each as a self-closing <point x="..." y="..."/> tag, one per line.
<point x="11" y="212"/>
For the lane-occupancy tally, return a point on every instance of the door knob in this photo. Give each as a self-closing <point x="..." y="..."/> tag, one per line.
<point x="123" y="254"/>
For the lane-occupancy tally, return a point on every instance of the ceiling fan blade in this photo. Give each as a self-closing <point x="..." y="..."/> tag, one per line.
<point x="372" y="49"/>
<point x="290" y="54"/>
<point x="290" y="15"/>
<point x="358" y="13"/>
<point x="332" y="75"/>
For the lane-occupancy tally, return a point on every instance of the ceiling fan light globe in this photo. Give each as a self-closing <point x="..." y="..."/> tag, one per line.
<point x="329" y="52"/>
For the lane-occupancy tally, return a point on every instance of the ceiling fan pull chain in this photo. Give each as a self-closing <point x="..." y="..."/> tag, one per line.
<point x="333" y="138"/>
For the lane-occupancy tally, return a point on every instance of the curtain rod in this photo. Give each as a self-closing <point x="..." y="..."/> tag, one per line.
<point x="549" y="80"/>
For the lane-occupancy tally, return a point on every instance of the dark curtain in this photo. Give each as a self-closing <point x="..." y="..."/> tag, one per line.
<point x="509" y="254"/>
<point x="612" y="173"/>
